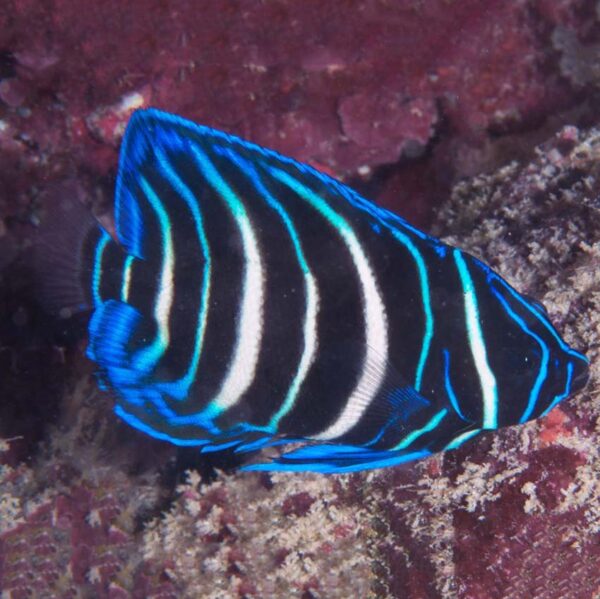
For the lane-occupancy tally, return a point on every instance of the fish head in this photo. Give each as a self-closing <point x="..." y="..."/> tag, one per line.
<point x="535" y="368"/>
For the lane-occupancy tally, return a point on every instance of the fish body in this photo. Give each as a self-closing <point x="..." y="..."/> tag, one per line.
<point x="249" y="300"/>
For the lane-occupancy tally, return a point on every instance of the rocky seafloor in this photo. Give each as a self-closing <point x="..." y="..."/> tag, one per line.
<point x="513" y="514"/>
<point x="400" y="100"/>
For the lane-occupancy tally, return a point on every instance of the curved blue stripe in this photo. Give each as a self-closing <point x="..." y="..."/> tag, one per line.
<point x="180" y="388"/>
<point x="379" y="435"/>
<point x="543" y="319"/>
<point x="543" y="372"/>
<point x="449" y="389"/>
<point x="431" y="425"/>
<point x="146" y="359"/>
<point x="254" y="177"/>
<point x="97" y="267"/>
<point x="142" y="426"/>
<point x="566" y="392"/>
<point x="424" y="284"/>
<point x="219" y="447"/>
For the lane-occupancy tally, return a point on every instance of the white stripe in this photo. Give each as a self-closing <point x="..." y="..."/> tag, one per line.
<point x="309" y="352"/>
<point x="309" y="329"/>
<point x="374" y="314"/>
<point x="146" y="358"/>
<point x="126" y="278"/>
<point x="487" y="380"/>
<point x="242" y="367"/>
<point x="179" y="388"/>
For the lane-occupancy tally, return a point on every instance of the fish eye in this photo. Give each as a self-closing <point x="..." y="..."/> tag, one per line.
<point x="516" y="360"/>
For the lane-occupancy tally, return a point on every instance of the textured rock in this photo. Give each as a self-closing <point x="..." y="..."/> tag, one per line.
<point x="513" y="514"/>
<point x="350" y="87"/>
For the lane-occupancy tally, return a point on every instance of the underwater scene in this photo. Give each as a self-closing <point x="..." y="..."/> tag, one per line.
<point x="300" y="299"/>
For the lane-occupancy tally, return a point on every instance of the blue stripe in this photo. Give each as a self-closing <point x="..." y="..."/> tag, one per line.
<point x="487" y="379"/>
<point x="464" y="437"/>
<point x="329" y="468"/>
<point x="424" y="283"/>
<point x="543" y="319"/>
<point x="97" y="268"/>
<point x="543" y="371"/>
<point x="180" y="388"/>
<point x="219" y="447"/>
<point x="430" y="426"/>
<point x="141" y="426"/>
<point x="566" y="392"/>
<point x="147" y="358"/>
<point x="251" y="173"/>
<point x="449" y="389"/>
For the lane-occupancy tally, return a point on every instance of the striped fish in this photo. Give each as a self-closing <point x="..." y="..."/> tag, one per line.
<point x="247" y="300"/>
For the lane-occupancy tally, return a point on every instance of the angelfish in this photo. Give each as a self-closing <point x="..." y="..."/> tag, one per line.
<point x="247" y="300"/>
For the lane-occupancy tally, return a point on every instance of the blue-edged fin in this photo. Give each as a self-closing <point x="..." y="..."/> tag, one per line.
<point x="114" y="336"/>
<point x="62" y="264"/>
<point x="397" y="404"/>
<point x="111" y="328"/>
<point x="129" y="221"/>
<point x="331" y="459"/>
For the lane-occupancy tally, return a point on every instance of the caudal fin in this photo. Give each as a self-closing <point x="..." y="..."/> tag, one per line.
<point x="62" y="260"/>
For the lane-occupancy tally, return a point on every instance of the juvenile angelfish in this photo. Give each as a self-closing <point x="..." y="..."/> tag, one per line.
<point x="248" y="300"/>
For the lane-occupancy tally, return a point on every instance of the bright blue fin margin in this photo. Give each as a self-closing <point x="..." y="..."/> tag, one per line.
<point x="128" y="220"/>
<point x="110" y="329"/>
<point x="331" y="459"/>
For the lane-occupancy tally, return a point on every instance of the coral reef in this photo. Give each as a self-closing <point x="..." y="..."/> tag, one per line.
<point x="513" y="514"/>
<point x="348" y="87"/>
<point x="80" y="521"/>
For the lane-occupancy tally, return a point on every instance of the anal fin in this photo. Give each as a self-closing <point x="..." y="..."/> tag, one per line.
<point x="331" y="459"/>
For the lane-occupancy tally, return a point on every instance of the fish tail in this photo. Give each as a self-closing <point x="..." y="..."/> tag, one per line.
<point x="63" y="253"/>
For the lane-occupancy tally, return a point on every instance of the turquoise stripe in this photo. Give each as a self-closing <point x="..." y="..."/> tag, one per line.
<point x="431" y="425"/>
<point x="250" y="171"/>
<point x="147" y="358"/>
<point x="487" y="379"/>
<point x="180" y="388"/>
<point x="97" y="268"/>
<point x="425" y="294"/>
<point x="543" y="372"/>
<point x="217" y="406"/>
<point x="458" y="441"/>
